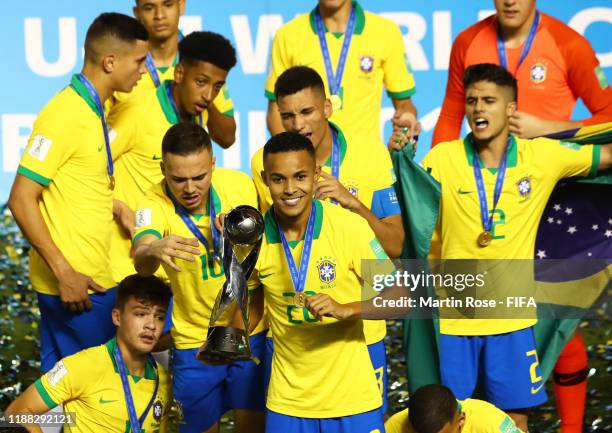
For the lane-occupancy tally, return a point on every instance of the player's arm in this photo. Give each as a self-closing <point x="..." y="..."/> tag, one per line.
<point x="72" y="285"/>
<point x="448" y="126"/>
<point x="529" y="126"/>
<point x="29" y="402"/>
<point x="404" y="119"/>
<point x="124" y="216"/>
<point x="605" y="157"/>
<point x="150" y="251"/>
<point x="222" y="128"/>
<point x="273" y="119"/>
<point x="256" y="307"/>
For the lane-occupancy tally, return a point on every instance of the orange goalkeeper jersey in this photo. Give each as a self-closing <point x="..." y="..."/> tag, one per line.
<point x="560" y="68"/>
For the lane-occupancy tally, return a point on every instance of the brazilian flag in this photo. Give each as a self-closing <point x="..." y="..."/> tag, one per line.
<point x="578" y="203"/>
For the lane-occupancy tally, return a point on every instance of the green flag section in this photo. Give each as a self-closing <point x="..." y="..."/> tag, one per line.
<point x="419" y="198"/>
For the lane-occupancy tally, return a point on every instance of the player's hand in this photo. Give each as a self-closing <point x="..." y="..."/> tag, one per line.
<point x="219" y="220"/>
<point x="322" y="305"/>
<point x="526" y="125"/>
<point x="174" y="247"/>
<point x="406" y="129"/>
<point x="330" y="188"/>
<point x="125" y="217"/>
<point x="73" y="288"/>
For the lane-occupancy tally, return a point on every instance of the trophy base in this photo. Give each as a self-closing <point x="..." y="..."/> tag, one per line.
<point x="224" y="345"/>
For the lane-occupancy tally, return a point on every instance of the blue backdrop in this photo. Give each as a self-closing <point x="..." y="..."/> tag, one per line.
<point x="42" y="46"/>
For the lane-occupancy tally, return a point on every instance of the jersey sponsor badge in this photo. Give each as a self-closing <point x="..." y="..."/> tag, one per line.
<point x="601" y="77"/>
<point x="327" y="270"/>
<point x="538" y="73"/>
<point x="144" y="217"/>
<point x="56" y="374"/>
<point x="524" y="186"/>
<point x="366" y="64"/>
<point x="377" y="249"/>
<point x="40" y="147"/>
<point x="158" y="410"/>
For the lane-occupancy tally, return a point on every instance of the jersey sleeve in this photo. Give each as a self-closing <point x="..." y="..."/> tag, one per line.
<point x="565" y="159"/>
<point x="224" y="103"/>
<point x="429" y="164"/>
<point x="47" y="149"/>
<point x="398" y="77"/>
<point x="279" y="62"/>
<point x="150" y="218"/>
<point x="585" y="76"/>
<point x="62" y="383"/>
<point x="448" y="126"/>
<point x="263" y="193"/>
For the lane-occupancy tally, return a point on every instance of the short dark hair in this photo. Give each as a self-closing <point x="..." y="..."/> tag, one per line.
<point x="114" y="25"/>
<point x="185" y="138"/>
<point x="431" y="407"/>
<point x="288" y="142"/>
<point x="491" y="73"/>
<point x="298" y="78"/>
<point x="207" y="47"/>
<point x="146" y="289"/>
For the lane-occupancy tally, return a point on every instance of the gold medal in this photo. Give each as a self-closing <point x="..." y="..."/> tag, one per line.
<point x="111" y="183"/>
<point x="336" y="102"/>
<point x="484" y="239"/>
<point x="299" y="300"/>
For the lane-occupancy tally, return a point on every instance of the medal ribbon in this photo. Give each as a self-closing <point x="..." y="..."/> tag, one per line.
<point x="501" y="45"/>
<point x="487" y="220"/>
<point x="175" y="108"/>
<point x="298" y="276"/>
<point x="151" y="65"/>
<point x="193" y="228"/>
<point x="135" y="422"/>
<point x="335" y="158"/>
<point x="334" y="81"/>
<point x="96" y="97"/>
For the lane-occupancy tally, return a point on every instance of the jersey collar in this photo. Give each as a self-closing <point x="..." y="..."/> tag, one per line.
<point x="271" y="228"/>
<point x="341" y="144"/>
<point x="149" y="369"/>
<point x="470" y="149"/>
<point x="81" y="90"/>
<point x="359" y="20"/>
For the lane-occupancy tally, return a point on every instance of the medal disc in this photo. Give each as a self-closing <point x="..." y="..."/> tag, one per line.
<point x="111" y="183"/>
<point x="336" y="102"/>
<point x="299" y="300"/>
<point x="484" y="239"/>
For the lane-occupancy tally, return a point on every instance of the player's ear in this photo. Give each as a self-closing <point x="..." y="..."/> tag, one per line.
<point x="214" y="161"/>
<point x="461" y="419"/>
<point x="108" y="63"/>
<point x="179" y="72"/>
<point x="181" y="6"/>
<point x="116" y="315"/>
<point x="317" y="172"/>
<point x="511" y="108"/>
<point x="135" y="11"/>
<point x="327" y="108"/>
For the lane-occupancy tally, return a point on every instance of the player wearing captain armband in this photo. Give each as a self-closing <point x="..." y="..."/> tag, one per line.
<point x="62" y="197"/>
<point x="176" y="230"/>
<point x="356" y="52"/>
<point x="161" y="19"/>
<point x="117" y="386"/>
<point x="359" y="181"/>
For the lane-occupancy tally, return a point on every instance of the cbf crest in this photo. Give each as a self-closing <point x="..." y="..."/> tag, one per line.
<point x="524" y="187"/>
<point x="158" y="410"/>
<point x="538" y="73"/>
<point x="366" y="63"/>
<point x="326" y="268"/>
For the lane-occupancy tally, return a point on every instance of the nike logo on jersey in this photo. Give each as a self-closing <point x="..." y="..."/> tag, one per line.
<point x="460" y="191"/>
<point x="100" y="147"/>
<point x="102" y="401"/>
<point x="535" y="390"/>
<point x="262" y="276"/>
<point x="156" y="158"/>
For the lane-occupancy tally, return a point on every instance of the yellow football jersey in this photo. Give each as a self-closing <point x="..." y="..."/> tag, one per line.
<point x="376" y="56"/>
<point x="480" y="417"/>
<point x="534" y="168"/>
<point x="362" y="174"/>
<point x="320" y="369"/>
<point x="66" y="153"/>
<point x="88" y="383"/>
<point x="222" y="101"/>
<point x="196" y="286"/>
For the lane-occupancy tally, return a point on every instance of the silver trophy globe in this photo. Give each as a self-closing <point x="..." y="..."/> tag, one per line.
<point x="227" y="339"/>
